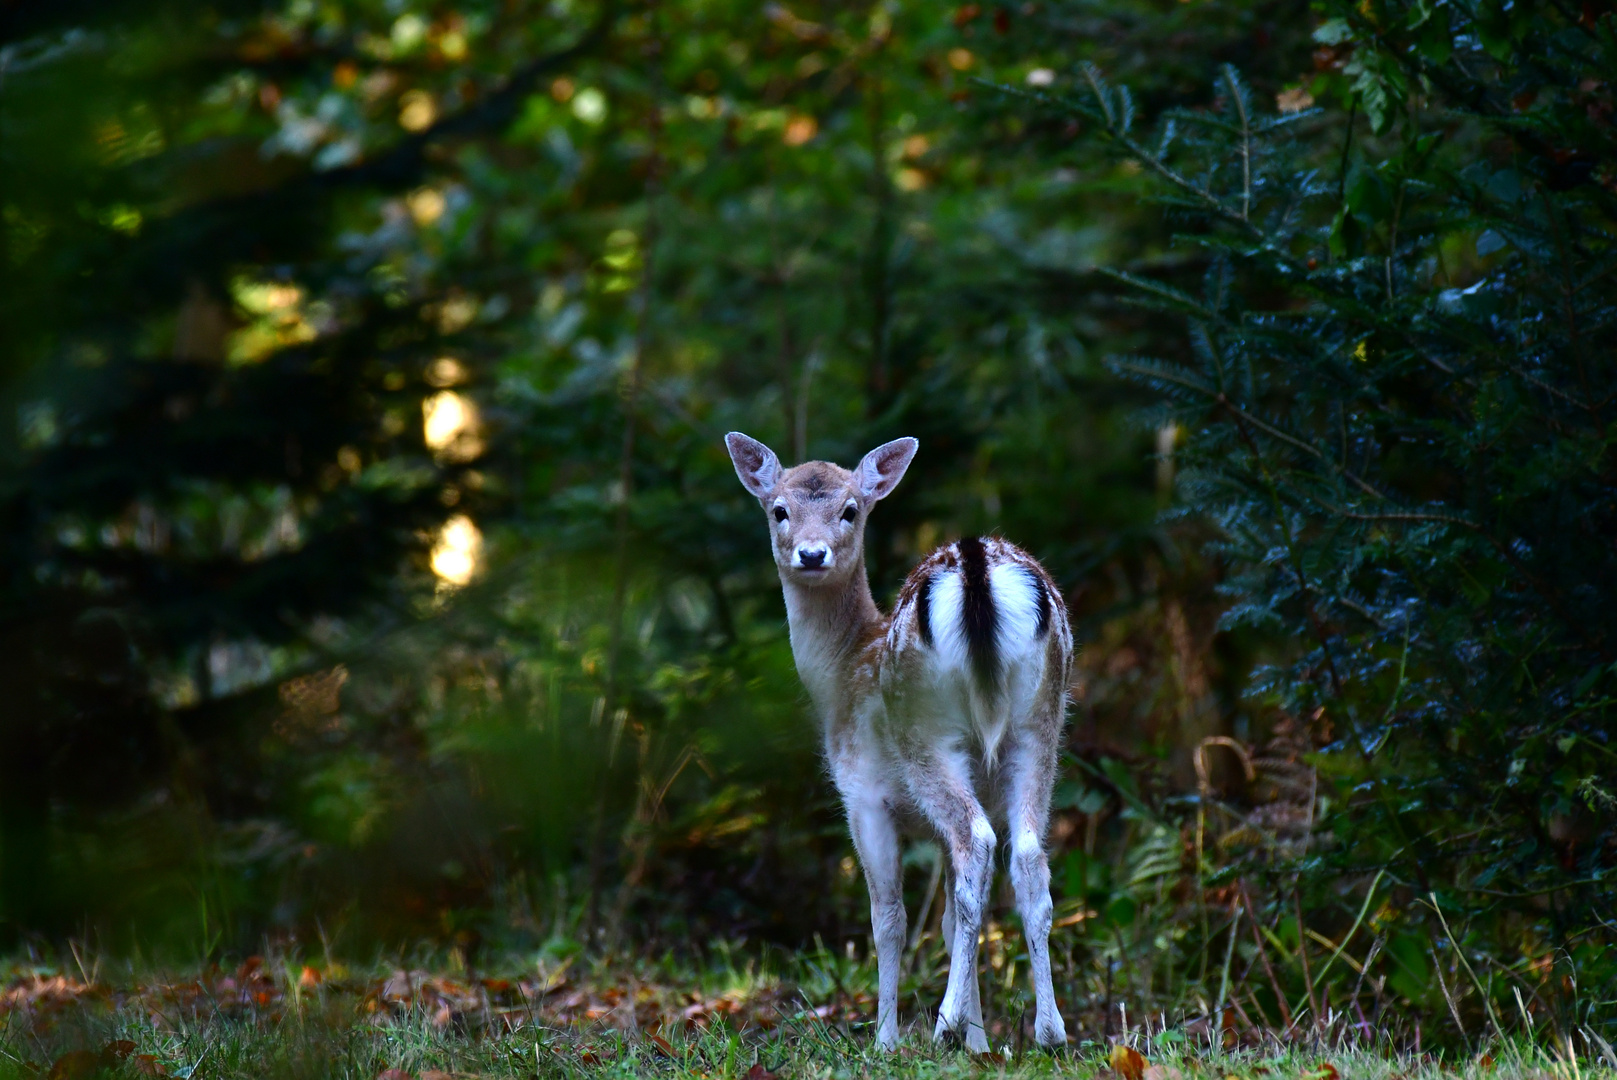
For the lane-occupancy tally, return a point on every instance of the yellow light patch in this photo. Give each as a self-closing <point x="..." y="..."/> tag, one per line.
<point x="459" y="550"/>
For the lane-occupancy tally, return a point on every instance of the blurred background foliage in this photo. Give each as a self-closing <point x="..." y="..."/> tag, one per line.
<point x="374" y="571"/>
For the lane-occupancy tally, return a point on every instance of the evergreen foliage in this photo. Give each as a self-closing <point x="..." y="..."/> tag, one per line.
<point x="1395" y="408"/>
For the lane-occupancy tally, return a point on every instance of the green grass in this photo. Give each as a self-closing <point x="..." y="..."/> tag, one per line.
<point x="544" y="1018"/>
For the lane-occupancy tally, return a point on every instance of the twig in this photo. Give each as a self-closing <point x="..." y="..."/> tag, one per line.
<point x="1246" y="141"/>
<point x="1280" y="996"/>
<point x="1454" y="1010"/>
<point x="1302" y="953"/>
<point x="1364" y="969"/>
<point x="1487" y="1003"/>
<point x="1229" y="954"/>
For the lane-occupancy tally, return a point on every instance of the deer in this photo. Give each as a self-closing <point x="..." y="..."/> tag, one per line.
<point x="942" y="720"/>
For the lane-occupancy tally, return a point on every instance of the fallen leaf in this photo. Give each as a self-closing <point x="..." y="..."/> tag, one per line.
<point x="308" y="978"/>
<point x="395" y="1074"/>
<point x="80" y="1064"/>
<point x="1127" y="1062"/>
<point x="148" y="1065"/>
<point x="1162" y="1072"/>
<point x="1323" y="1071"/>
<point x="662" y="1044"/>
<point x="1485" y="1061"/>
<point x="991" y="1057"/>
<point x="589" y="1057"/>
<point x="758" y="1072"/>
<point x="119" y="1048"/>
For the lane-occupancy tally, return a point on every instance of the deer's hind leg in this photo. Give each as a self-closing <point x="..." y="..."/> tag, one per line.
<point x="939" y="785"/>
<point x="1030" y="771"/>
<point x="974" y="1012"/>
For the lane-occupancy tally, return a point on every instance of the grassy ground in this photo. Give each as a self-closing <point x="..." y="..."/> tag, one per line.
<point x="284" y="1018"/>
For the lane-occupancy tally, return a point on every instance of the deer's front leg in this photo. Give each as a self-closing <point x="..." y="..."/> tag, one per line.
<point x="875" y="837"/>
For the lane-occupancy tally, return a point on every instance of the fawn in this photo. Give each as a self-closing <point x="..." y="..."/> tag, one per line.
<point x="941" y="719"/>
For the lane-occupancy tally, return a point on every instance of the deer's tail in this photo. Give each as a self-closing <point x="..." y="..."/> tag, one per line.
<point x="979" y="614"/>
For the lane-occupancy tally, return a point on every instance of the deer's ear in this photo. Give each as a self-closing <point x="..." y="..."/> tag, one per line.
<point x="880" y="470"/>
<point x="756" y="464"/>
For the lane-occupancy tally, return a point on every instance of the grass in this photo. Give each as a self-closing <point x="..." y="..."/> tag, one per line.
<point x="559" y="1018"/>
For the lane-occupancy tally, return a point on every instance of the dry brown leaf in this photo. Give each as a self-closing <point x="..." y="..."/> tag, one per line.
<point x="80" y="1064"/>
<point x="395" y="1074"/>
<point x="758" y="1072"/>
<point x="1127" y="1062"/>
<point x="436" y="1074"/>
<point x="1323" y="1071"/>
<point x="661" y="1043"/>
<point x="308" y="978"/>
<point x="148" y="1065"/>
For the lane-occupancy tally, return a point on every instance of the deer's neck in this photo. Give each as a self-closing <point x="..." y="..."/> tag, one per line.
<point x="830" y="624"/>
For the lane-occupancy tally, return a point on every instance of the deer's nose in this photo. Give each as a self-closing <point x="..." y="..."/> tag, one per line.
<point x="811" y="558"/>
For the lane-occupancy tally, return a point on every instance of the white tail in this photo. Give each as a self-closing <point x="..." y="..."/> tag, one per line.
<point x="946" y="716"/>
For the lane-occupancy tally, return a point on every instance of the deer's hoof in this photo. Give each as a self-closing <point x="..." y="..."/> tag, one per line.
<point x="1051" y="1032"/>
<point x="961" y="1033"/>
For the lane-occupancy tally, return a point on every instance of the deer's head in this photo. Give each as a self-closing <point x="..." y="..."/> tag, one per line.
<point x="816" y="510"/>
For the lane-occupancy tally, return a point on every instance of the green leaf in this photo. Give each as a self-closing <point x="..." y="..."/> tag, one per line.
<point x="1333" y="32"/>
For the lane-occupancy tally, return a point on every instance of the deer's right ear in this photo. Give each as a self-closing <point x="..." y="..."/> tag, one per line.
<point x="756" y="464"/>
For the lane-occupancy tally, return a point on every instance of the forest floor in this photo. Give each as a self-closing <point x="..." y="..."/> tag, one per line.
<point x="397" y="1022"/>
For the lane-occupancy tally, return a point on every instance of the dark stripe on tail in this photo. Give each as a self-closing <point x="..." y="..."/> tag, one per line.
<point x="1044" y="604"/>
<point x="923" y="610"/>
<point x="978" y="612"/>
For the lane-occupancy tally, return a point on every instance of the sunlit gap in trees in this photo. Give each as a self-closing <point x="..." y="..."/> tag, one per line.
<point x="451" y="427"/>
<point x="452" y="430"/>
<point x="458" y="551"/>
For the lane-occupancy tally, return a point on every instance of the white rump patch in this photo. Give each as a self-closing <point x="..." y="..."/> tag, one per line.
<point x="1021" y="651"/>
<point x="948" y="623"/>
<point x="1016" y="598"/>
<point x="1016" y="604"/>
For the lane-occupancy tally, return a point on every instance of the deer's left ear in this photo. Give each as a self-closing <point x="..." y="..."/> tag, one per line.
<point x="880" y="470"/>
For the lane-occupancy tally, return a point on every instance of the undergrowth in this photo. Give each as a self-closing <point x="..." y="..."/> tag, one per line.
<point x="802" y="1015"/>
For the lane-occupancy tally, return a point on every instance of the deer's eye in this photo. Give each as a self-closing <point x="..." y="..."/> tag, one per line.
<point x="780" y="513"/>
<point x="850" y="514"/>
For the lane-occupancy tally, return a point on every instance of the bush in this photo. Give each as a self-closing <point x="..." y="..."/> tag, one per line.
<point x="1395" y="408"/>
